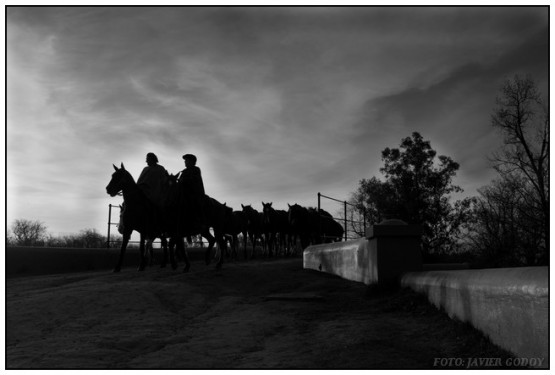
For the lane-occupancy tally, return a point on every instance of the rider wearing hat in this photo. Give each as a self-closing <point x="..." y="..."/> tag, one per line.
<point x="152" y="180"/>
<point x="193" y="188"/>
<point x="191" y="176"/>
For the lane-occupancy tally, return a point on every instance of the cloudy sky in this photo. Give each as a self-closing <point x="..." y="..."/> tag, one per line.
<point x="277" y="103"/>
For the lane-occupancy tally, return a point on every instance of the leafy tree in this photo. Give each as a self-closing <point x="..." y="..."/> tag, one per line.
<point x="369" y="198"/>
<point x="91" y="238"/>
<point x="523" y="118"/>
<point x="28" y="232"/>
<point x="417" y="190"/>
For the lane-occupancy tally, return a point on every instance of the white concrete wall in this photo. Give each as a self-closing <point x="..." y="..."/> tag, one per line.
<point x="509" y="305"/>
<point x="354" y="260"/>
<point x="378" y="260"/>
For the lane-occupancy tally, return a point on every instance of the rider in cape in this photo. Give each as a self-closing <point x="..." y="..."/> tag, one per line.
<point x="194" y="198"/>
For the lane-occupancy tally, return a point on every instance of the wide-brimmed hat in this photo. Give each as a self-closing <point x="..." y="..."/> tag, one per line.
<point x="190" y="157"/>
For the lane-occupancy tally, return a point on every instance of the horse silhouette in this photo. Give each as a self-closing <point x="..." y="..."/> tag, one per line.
<point x="236" y="224"/>
<point x="300" y="225"/>
<point x="255" y="226"/>
<point x="324" y="227"/>
<point x="313" y="226"/>
<point x="276" y="226"/>
<point x="182" y="222"/>
<point x="148" y="245"/>
<point x="140" y="215"/>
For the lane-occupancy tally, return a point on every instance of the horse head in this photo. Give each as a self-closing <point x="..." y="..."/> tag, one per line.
<point x="250" y="214"/>
<point x="249" y="210"/>
<point x="267" y="210"/>
<point x="172" y="179"/>
<point x="228" y="211"/>
<point x="296" y="214"/>
<point x="120" y="180"/>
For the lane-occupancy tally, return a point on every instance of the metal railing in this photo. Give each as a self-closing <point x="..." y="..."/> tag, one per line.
<point x="108" y="239"/>
<point x="344" y="219"/>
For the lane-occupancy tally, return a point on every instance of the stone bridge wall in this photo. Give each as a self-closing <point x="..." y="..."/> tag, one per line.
<point x="509" y="305"/>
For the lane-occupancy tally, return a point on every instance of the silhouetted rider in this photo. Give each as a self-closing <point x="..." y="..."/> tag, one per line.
<point x="153" y="180"/>
<point x="193" y="189"/>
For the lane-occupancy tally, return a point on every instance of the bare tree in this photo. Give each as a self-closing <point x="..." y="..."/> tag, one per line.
<point x="28" y="232"/>
<point x="523" y="118"/>
<point x="505" y="231"/>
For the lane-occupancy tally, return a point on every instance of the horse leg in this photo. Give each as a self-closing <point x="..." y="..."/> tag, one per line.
<point x="179" y="244"/>
<point x="288" y="249"/>
<point x="245" y="238"/>
<point x="224" y="239"/>
<point x="124" y="243"/>
<point x="150" y="252"/>
<point x="253" y="242"/>
<point x="171" y="249"/>
<point x="211" y="242"/>
<point x="226" y="253"/>
<point x="293" y="244"/>
<point x="272" y="245"/>
<point x="264" y="244"/>
<point x="142" y="263"/>
<point x="278" y="244"/>
<point x="222" y="244"/>
<point x="268" y="244"/>
<point x="164" y="243"/>
<point x="228" y="250"/>
<point x="235" y="240"/>
<point x="181" y="249"/>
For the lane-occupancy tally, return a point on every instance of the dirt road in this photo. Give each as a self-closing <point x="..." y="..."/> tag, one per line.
<point x="262" y="314"/>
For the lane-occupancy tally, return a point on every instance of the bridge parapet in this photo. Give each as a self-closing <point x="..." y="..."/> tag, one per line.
<point x="509" y="305"/>
<point x="391" y="249"/>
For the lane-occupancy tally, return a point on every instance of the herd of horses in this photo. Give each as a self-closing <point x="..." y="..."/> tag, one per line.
<point x="278" y="231"/>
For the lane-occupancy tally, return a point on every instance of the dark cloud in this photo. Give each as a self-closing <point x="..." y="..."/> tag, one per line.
<point x="455" y="111"/>
<point x="277" y="102"/>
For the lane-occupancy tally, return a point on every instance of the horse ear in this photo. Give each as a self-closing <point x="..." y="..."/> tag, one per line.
<point x="116" y="168"/>
<point x="242" y="205"/>
<point x="288" y="205"/>
<point x="271" y="204"/>
<point x="263" y="203"/>
<point x="122" y="167"/>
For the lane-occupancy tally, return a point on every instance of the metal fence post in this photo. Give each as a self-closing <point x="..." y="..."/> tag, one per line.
<point x="319" y="219"/>
<point x="345" y="204"/>
<point x="109" y="223"/>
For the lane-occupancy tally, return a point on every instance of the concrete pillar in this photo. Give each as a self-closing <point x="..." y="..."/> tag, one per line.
<point x="391" y="249"/>
<point x="397" y="247"/>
